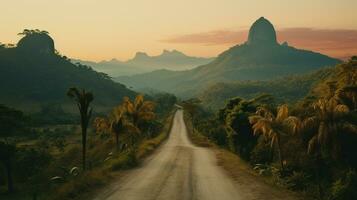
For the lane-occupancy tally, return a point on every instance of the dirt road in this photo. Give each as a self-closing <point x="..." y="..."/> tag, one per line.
<point x="178" y="171"/>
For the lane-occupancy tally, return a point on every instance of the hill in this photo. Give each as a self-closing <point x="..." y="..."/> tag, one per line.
<point x="142" y="63"/>
<point x="287" y="89"/>
<point x="33" y="74"/>
<point x="260" y="58"/>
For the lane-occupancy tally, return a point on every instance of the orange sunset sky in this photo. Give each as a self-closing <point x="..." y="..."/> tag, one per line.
<point x="105" y="29"/>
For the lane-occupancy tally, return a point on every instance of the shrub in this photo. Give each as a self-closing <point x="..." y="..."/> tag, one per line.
<point x="298" y="181"/>
<point x="261" y="153"/>
<point x="125" y="161"/>
<point x="345" y="188"/>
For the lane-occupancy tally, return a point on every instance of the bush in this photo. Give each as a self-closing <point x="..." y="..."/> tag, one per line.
<point x="261" y="153"/>
<point x="125" y="161"/>
<point x="298" y="181"/>
<point x="345" y="188"/>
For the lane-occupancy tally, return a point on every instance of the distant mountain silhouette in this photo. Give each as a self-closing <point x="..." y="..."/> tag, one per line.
<point x="142" y="63"/>
<point x="260" y="58"/>
<point x="33" y="74"/>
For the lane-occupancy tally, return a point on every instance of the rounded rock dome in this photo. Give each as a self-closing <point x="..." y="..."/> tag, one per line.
<point x="262" y="32"/>
<point x="37" y="43"/>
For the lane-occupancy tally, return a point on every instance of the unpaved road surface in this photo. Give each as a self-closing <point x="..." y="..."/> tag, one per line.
<point x="179" y="171"/>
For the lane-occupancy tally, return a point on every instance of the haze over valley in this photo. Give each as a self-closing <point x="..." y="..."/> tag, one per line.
<point x="261" y="57"/>
<point x="142" y="63"/>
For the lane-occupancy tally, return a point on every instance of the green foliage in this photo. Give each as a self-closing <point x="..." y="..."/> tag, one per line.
<point x="12" y="122"/>
<point x="345" y="188"/>
<point x="284" y="90"/>
<point x="298" y="181"/>
<point x="235" y="117"/>
<point x="30" y="162"/>
<point x="164" y="102"/>
<point x="315" y="138"/>
<point x="125" y="161"/>
<point x="261" y="153"/>
<point x="214" y="131"/>
<point x="52" y="114"/>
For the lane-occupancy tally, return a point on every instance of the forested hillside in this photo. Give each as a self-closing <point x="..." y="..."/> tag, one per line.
<point x="308" y="146"/>
<point x="34" y="73"/>
<point x="288" y="89"/>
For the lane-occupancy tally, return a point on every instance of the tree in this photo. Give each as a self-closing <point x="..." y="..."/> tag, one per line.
<point x="32" y="31"/>
<point x="271" y="126"/>
<point x="191" y="106"/>
<point x="139" y="110"/>
<point x="327" y="123"/>
<point x="83" y="100"/>
<point x="326" y="126"/>
<point x="7" y="154"/>
<point x="12" y="122"/>
<point x="234" y="116"/>
<point x="116" y="123"/>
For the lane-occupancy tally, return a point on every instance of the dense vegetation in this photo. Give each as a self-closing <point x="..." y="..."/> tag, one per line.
<point x="287" y="89"/>
<point x="34" y="74"/>
<point x="62" y="147"/>
<point x="309" y="146"/>
<point x="37" y="161"/>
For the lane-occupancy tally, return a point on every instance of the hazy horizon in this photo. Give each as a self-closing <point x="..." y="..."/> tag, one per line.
<point x="118" y="29"/>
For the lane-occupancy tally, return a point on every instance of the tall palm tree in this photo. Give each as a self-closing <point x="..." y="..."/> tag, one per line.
<point x="83" y="100"/>
<point x="139" y="110"/>
<point x="327" y="122"/>
<point x="271" y="126"/>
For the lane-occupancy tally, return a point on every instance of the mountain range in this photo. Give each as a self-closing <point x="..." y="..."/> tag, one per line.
<point x="261" y="57"/>
<point x="142" y="63"/>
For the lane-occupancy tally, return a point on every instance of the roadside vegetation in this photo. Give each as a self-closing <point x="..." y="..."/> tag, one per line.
<point x="72" y="159"/>
<point x="308" y="146"/>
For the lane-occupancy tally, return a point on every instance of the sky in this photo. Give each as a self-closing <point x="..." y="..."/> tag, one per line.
<point x="105" y="29"/>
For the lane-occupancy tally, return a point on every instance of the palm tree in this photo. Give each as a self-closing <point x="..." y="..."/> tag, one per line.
<point x="271" y="126"/>
<point x="327" y="122"/>
<point x="116" y="123"/>
<point x="83" y="100"/>
<point x="139" y="110"/>
<point x="119" y="124"/>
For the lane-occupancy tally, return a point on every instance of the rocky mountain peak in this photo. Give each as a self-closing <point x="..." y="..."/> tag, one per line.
<point x="262" y="32"/>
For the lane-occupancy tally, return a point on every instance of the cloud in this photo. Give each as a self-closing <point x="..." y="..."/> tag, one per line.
<point x="341" y="43"/>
